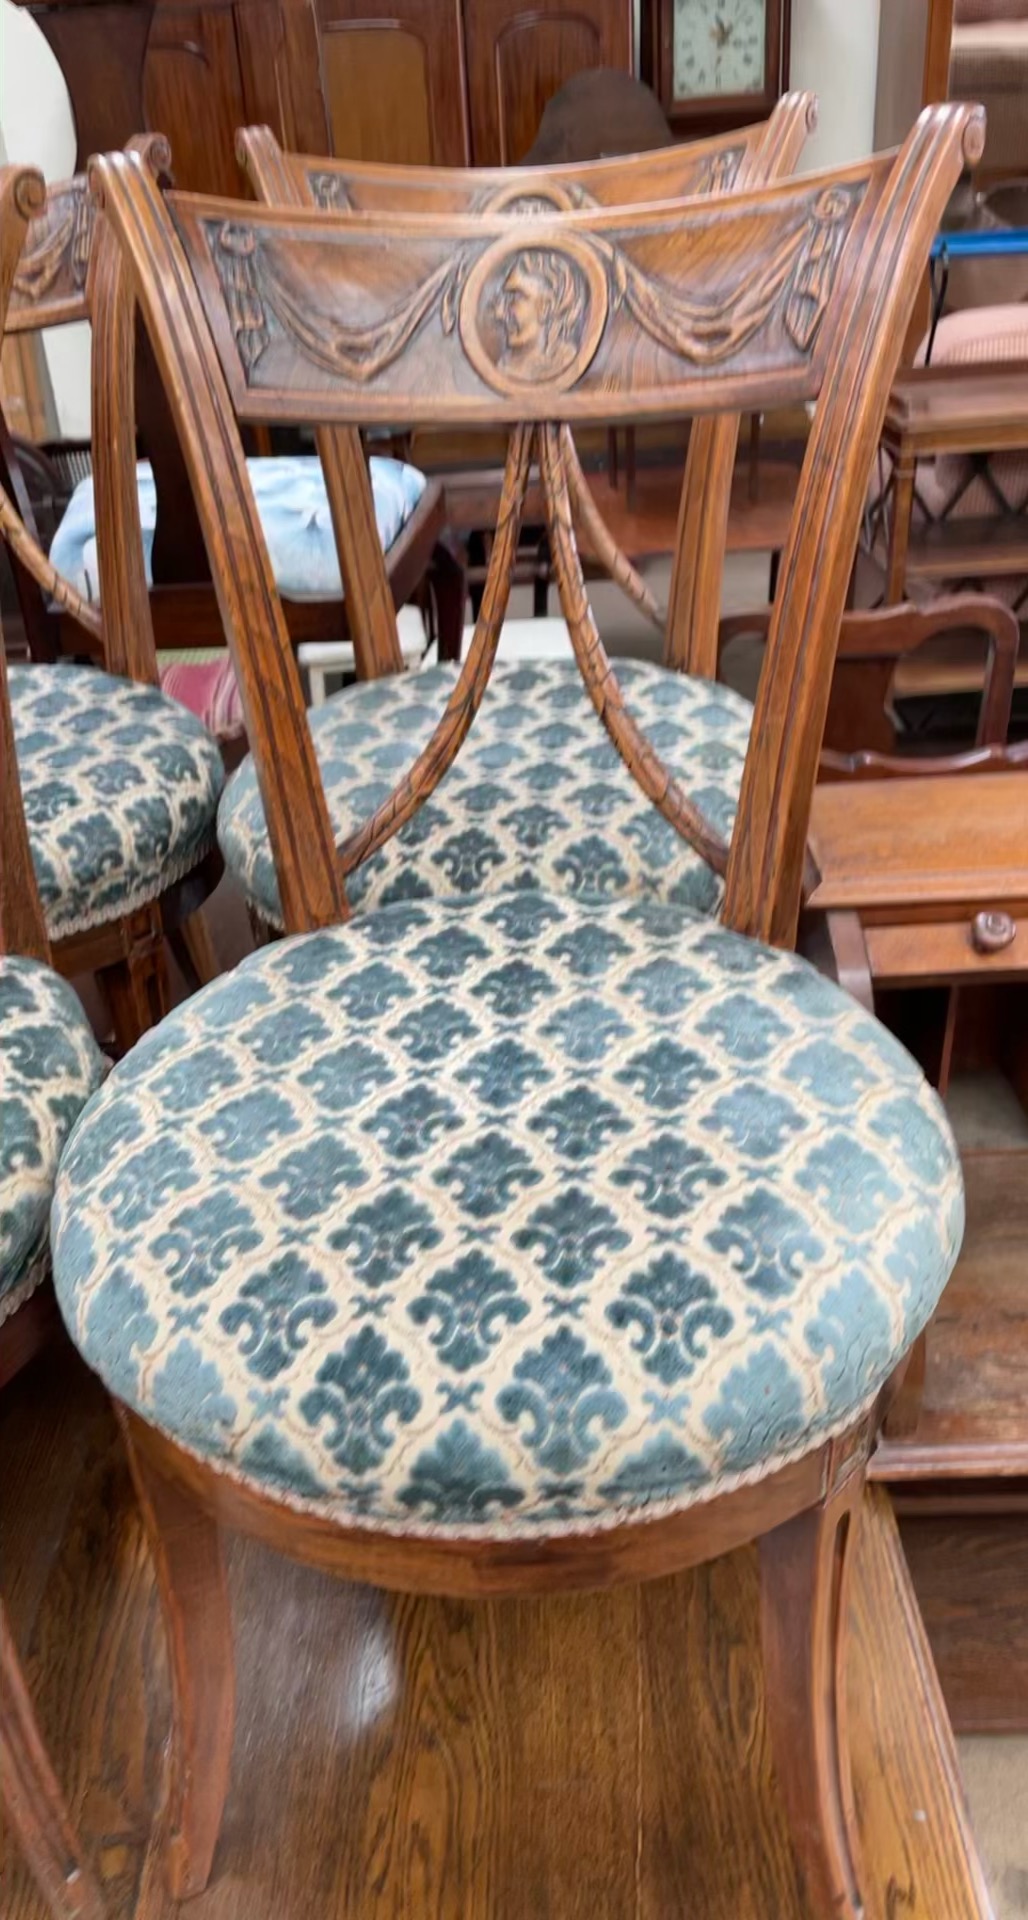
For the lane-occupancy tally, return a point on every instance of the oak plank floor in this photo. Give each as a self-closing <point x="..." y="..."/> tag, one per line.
<point x="588" y="1758"/>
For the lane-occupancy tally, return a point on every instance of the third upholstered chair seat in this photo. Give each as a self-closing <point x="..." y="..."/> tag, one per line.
<point x="295" y="518"/>
<point x="120" y="786"/>
<point x="297" y="523"/>
<point x="538" y="794"/>
<point x="512" y="1214"/>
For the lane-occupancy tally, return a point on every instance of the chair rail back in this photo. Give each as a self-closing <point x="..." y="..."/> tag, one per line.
<point x="752" y="156"/>
<point x="802" y="290"/>
<point x="353" y="186"/>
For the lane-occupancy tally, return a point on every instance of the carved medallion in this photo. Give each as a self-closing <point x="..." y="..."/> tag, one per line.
<point x="548" y="197"/>
<point x="533" y="316"/>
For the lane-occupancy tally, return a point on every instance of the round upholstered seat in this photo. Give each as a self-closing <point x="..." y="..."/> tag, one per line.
<point x="513" y="1214"/>
<point x="120" y="786"/>
<point x="49" y="1065"/>
<point x="538" y="795"/>
<point x="296" y="520"/>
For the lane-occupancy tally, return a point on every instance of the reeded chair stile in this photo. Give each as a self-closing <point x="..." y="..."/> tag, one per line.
<point x="521" y="1240"/>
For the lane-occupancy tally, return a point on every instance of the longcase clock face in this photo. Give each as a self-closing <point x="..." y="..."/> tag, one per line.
<point x="718" y="47"/>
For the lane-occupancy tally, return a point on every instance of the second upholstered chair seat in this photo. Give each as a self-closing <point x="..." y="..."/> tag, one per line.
<point x="513" y="1214"/>
<point x="537" y="796"/>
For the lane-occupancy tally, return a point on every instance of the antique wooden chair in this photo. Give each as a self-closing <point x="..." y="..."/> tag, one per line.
<point x="861" y="737"/>
<point x="518" y="1242"/>
<point x="355" y="742"/>
<point x="299" y="504"/>
<point x="49" y="1065"/>
<point x="121" y="783"/>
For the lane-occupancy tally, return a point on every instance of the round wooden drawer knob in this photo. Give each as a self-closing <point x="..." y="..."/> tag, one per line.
<point x="991" y="932"/>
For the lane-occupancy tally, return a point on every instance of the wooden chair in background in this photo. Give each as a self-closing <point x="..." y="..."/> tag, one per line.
<point x="356" y="740"/>
<point x="50" y="288"/>
<point x="49" y="1065"/>
<point x="121" y="784"/>
<point x="388" y="1451"/>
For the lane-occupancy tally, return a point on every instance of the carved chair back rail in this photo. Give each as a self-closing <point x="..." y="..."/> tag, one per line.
<point x="797" y="292"/>
<point x="751" y="157"/>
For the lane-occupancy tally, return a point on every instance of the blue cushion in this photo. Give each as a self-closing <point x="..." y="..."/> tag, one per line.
<point x="538" y="796"/>
<point x="513" y="1214"/>
<point x="49" y="1065"/>
<point x="121" y="787"/>
<point x="293" y="507"/>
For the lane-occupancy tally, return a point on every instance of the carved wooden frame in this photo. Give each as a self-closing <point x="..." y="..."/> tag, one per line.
<point x="750" y="156"/>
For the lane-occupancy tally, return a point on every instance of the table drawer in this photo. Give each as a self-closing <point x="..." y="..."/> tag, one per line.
<point x="927" y="950"/>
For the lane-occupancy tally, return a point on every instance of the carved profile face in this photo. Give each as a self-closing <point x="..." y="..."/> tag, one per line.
<point x="533" y="316"/>
<point x="542" y="305"/>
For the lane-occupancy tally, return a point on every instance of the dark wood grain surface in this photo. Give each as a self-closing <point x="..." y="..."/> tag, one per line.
<point x="579" y="1758"/>
<point x="973" y="1420"/>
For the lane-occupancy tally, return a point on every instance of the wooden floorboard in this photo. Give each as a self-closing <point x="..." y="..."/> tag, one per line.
<point x="588" y="1758"/>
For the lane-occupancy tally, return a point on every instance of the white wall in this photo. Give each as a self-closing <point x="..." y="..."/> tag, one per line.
<point x="835" y="54"/>
<point x="36" y="129"/>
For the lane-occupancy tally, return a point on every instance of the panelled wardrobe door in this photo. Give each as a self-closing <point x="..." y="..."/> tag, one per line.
<point x="193" y="87"/>
<point x="520" y="55"/>
<point x="392" y="77"/>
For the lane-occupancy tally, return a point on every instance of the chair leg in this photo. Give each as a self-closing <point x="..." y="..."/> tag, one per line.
<point x="185" y="1544"/>
<point x="33" y="1800"/>
<point x="193" y="948"/>
<point x="137" y="986"/>
<point x="804" y="1567"/>
<point x="449" y="591"/>
<point x="903" y="1413"/>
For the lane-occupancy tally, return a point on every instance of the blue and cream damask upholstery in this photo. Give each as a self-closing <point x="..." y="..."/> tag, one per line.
<point x="515" y="1214"/>
<point x="120" y="786"/>
<point x="293" y="506"/>
<point x="538" y="795"/>
<point x="49" y="1065"/>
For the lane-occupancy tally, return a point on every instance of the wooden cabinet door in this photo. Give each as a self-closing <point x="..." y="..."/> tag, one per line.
<point x="392" y="75"/>
<point x="193" y="92"/>
<point x="519" y="56"/>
